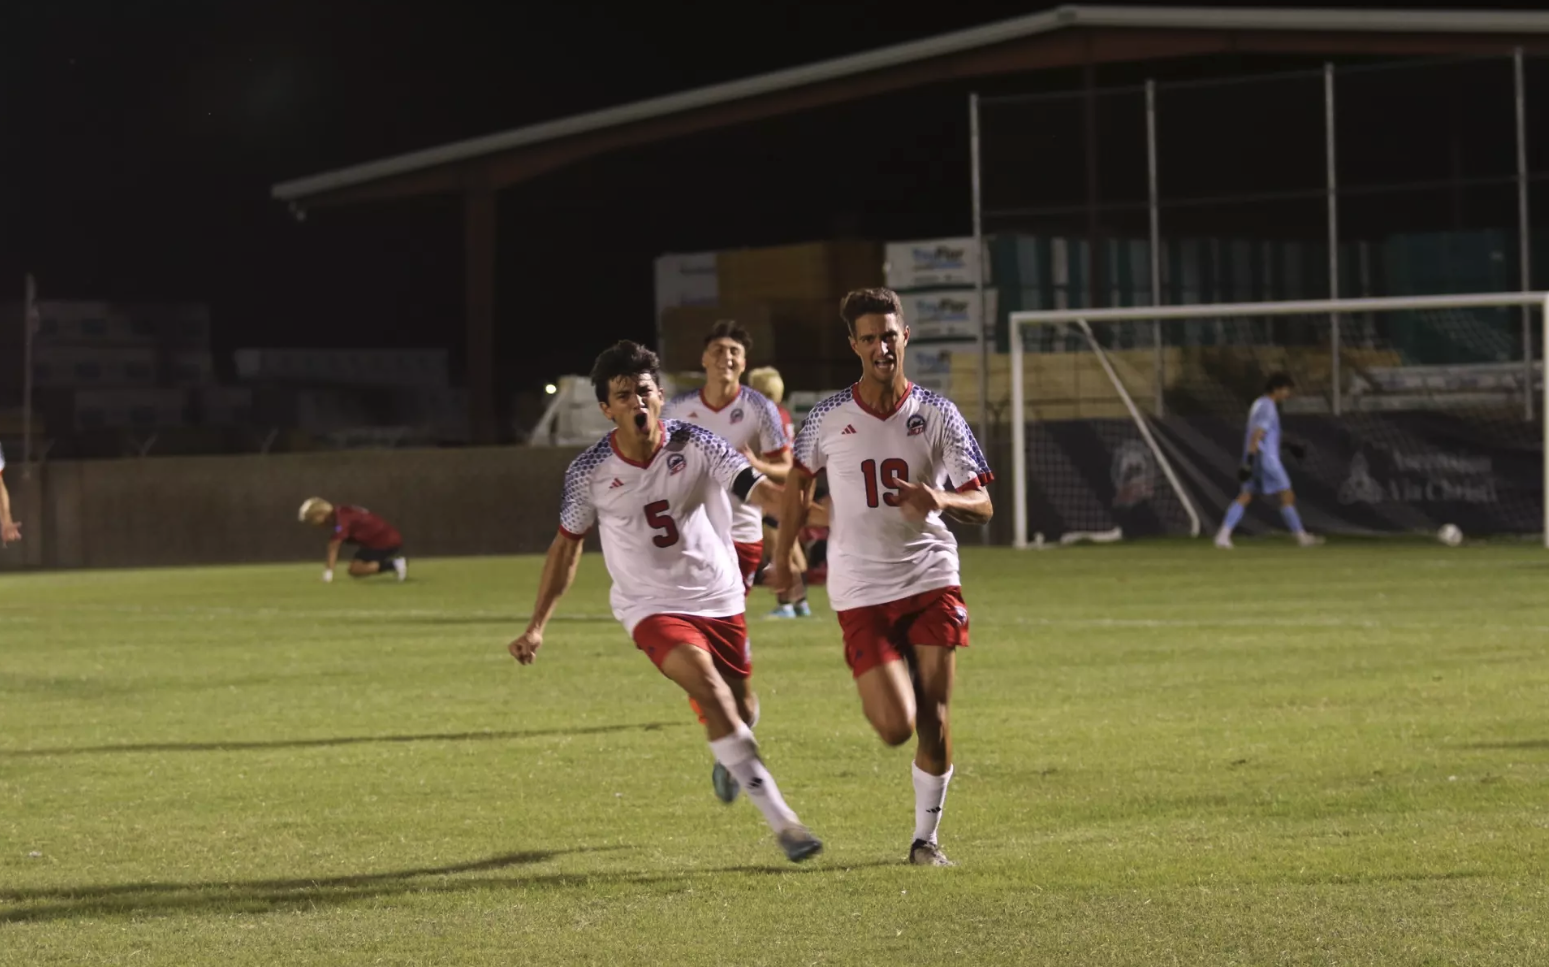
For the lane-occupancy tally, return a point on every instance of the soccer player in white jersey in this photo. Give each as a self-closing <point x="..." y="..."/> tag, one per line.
<point x="1262" y="471"/>
<point x="898" y="458"/>
<point x="743" y="417"/>
<point x="9" y="529"/>
<point x="658" y="492"/>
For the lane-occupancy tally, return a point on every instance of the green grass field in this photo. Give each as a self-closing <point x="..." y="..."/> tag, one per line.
<point x="1166" y="755"/>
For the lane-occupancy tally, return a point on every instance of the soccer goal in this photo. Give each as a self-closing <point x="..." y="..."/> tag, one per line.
<point x="1409" y="413"/>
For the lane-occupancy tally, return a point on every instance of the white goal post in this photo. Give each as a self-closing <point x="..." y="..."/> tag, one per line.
<point x="1085" y="318"/>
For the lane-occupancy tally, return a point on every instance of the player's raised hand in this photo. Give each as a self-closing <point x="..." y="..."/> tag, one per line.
<point x="11" y="531"/>
<point x="918" y="500"/>
<point x="525" y="648"/>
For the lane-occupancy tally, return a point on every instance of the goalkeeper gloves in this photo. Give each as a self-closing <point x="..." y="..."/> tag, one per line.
<point x="1245" y="472"/>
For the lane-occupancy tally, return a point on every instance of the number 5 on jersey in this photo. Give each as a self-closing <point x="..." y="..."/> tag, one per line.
<point x="656" y="516"/>
<point x="893" y="471"/>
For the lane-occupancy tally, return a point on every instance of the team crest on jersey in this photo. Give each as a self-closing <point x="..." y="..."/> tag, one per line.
<point x="916" y="425"/>
<point x="675" y="463"/>
<point x="736" y="416"/>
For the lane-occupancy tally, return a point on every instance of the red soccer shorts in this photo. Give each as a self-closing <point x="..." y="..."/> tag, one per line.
<point x="748" y="558"/>
<point x="874" y="635"/>
<point x="726" y="639"/>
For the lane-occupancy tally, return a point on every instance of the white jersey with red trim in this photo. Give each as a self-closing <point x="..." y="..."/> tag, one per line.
<point x="663" y="523"/>
<point x="750" y="420"/>
<point x="875" y="553"/>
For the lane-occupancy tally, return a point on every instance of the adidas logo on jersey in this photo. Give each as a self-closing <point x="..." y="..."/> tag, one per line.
<point x="616" y="484"/>
<point x="848" y="429"/>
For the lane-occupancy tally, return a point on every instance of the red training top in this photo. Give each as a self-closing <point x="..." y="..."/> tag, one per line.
<point x="357" y="525"/>
<point x="786" y="424"/>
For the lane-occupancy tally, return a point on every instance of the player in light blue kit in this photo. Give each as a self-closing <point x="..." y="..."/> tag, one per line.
<point x="1262" y="472"/>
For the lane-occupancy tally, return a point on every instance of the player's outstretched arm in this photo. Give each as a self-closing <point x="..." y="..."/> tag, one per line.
<point x="558" y="574"/>
<point x="333" y="558"/>
<point x="9" y="529"/>
<point x="797" y="500"/>
<point x="775" y="467"/>
<point x="920" y="500"/>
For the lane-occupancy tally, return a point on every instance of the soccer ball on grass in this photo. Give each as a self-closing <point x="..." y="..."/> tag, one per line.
<point x="1450" y="535"/>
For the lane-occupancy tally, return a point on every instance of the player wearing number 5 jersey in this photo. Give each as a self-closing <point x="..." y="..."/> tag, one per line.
<point x="659" y="492"/>
<point x="898" y="458"/>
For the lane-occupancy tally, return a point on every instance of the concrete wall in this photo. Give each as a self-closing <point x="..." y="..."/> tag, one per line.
<point x="176" y="511"/>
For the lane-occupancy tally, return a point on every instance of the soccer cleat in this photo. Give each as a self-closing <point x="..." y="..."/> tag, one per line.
<point x="725" y="785"/>
<point x="783" y="611"/>
<point x="401" y="565"/>
<point x="922" y="853"/>
<point x="803" y="610"/>
<point x="1308" y="540"/>
<point x="1224" y="541"/>
<point x="799" y="843"/>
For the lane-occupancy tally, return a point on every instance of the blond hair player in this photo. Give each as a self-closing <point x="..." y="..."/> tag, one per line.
<point x="789" y="603"/>
<point x="379" y="546"/>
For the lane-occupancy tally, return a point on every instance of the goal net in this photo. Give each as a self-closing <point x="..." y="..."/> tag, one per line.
<point x="1408" y="413"/>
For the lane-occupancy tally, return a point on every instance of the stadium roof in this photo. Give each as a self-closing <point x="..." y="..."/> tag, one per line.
<point x="1444" y="28"/>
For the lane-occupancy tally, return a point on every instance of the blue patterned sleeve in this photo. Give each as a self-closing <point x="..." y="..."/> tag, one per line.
<point x="771" y="429"/>
<point x="721" y="462"/>
<point x="807" y="451"/>
<point x="577" y="514"/>
<point x="961" y="457"/>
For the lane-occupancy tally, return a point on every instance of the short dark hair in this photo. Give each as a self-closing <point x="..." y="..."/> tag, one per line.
<point x="1279" y="380"/>
<point x="730" y="329"/>
<point x="869" y="302"/>
<point x="627" y="359"/>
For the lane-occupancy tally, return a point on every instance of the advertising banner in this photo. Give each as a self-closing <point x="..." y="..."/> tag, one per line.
<point x="932" y="262"/>
<point x="945" y="314"/>
<point x="1375" y="473"/>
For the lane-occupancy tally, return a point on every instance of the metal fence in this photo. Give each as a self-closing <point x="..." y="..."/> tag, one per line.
<point x="1411" y="178"/>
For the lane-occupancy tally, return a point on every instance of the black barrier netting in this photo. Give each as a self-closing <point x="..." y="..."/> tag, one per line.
<point x="1368" y="473"/>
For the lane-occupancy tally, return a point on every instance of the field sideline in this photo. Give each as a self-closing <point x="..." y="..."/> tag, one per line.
<point x="1166" y="754"/>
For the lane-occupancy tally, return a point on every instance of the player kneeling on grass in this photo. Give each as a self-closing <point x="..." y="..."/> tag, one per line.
<point x="1262" y="471"/>
<point x="9" y="529"/>
<point x="899" y="458"/>
<point x="658" y="490"/>
<point x="379" y="547"/>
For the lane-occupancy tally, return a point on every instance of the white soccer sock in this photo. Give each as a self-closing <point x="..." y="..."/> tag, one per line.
<point x="930" y="794"/>
<point x="739" y="754"/>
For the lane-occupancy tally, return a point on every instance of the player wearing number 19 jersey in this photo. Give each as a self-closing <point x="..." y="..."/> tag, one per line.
<point x="898" y="458"/>
<point x="660" y="493"/>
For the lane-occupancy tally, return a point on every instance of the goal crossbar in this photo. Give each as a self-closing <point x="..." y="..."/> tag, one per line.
<point x="1218" y="310"/>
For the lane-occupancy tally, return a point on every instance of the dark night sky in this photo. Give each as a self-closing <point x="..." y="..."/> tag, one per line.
<point x="138" y="142"/>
